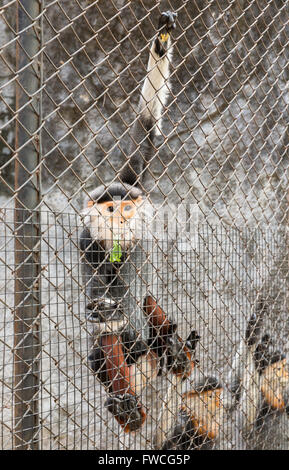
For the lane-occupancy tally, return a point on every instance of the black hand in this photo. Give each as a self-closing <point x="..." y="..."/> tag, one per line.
<point x="167" y="21"/>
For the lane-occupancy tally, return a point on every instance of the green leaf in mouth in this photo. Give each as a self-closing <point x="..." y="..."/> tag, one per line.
<point x="116" y="253"/>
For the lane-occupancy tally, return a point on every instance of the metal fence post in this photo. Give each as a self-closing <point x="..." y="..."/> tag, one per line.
<point x="27" y="227"/>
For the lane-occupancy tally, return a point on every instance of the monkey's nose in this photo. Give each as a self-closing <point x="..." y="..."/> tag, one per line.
<point x="118" y="220"/>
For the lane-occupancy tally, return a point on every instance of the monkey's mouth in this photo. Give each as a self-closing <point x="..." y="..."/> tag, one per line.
<point x="125" y="240"/>
<point x="104" y="310"/>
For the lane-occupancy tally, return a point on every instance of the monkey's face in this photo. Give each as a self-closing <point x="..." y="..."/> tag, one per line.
<point x="275" y="379"/>
<point x="205" y="410"/>
<point x="279" y="372"/>
<point x="114" y="221"/>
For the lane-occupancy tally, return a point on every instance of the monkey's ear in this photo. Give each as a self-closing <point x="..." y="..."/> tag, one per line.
<point x="138" y="200"/>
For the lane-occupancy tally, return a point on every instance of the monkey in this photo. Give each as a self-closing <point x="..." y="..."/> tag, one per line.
<point x="113" y="208"/>
<point x="201" y="409"/>
<point x="258" y="384"/>
<point x="273" y="370"/>
<point x="262" y="376"/>
<point x="112" y="213"/>
<point x="125" y="366"/>
<point x="198" y="417"/>
<point x="113" y="222"/>
<point x="259" y="381"/>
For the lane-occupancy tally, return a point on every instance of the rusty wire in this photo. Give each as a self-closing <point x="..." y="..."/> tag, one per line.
<point x="223" y="149"/>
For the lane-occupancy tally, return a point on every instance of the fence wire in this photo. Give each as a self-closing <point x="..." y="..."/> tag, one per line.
<point x="193" y="353"/>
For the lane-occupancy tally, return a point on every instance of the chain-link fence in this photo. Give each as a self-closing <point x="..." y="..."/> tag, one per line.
<point x="171" y="333"/>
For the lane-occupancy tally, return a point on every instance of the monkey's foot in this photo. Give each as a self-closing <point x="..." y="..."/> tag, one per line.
<point x="178" y="358"/>
<point x="127" y="410"/>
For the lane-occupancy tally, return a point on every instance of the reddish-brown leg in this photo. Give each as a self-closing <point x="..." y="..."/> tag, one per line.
<point x="123" y="402"/>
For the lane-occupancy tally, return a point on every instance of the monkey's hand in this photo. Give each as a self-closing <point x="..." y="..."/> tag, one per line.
<point x="178" y="357"/>
<point x="127" y="410"/>
<point x="167" y="23"/>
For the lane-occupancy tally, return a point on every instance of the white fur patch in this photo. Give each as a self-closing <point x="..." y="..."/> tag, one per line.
<point x="156" y="86"/>
<point x="108" y="326"/>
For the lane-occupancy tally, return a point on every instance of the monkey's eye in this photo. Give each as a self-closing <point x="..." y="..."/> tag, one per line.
<point x="127" y="208"/>
<point x="109" y="209"/>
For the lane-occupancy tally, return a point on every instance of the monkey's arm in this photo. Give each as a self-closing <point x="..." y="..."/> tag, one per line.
<point x="153" y="98"/>
<point x="243" y="360"/>
<point x="123" y="402"/>
<point x="156" y="86"/>
<point x="96" y="274"/>
<point x="249" y="389"/>
<point x="125" y="366"/>
<point x="250" y="395"/>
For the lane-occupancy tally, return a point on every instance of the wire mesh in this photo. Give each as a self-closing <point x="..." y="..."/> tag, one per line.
<point x="222" y="156"/>
<point x="211" y="287"/>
